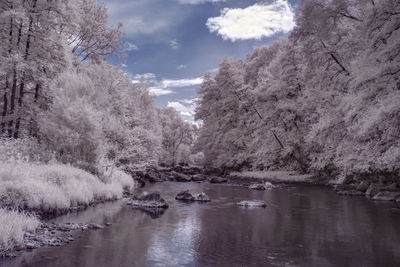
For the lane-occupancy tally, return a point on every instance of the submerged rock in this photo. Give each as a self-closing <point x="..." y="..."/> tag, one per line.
<point x="188" y="196"/>
<point x="257" y="187"/>
<point x="386" y="196"/>
<point x="152" y="200"/>
<point x="218" y="180"/>
<point x="252" y="203"/>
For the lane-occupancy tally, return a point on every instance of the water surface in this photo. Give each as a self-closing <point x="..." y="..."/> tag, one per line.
<point x="301" y="226"/>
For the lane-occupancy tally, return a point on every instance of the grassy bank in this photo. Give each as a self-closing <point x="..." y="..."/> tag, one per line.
<point x="271" y="176"/>
<point x="35" y="188"/>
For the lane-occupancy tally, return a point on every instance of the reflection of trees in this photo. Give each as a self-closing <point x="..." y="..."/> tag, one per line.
<point x="316" y="228"/>
<point x="307" y="226"/>
<point x="154" y="213"/>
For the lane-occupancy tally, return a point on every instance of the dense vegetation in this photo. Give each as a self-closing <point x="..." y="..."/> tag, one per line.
<point x="71" y="124"/>
<point x="326" y="99"/>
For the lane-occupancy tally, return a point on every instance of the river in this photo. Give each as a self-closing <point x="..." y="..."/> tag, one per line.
<point x="302" y="225"/>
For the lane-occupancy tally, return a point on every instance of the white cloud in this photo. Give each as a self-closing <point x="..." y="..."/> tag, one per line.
<point x="197" y="2"/>
<point x="147" y="76"/>
<point x="182" y="109"/>
<point x="253" y="22"/>
<point x="130" y="47"/>
<point x="164" y="87"/>
<point x="156" y="91"/>
<point x="174" y="44"/>
<point x="181" y="82"/>
<point x="188" y="101"/>
<point x="181" y="67"/>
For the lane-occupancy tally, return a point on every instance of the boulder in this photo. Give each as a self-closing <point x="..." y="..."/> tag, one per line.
<point x="152" y="175"/>
<point x="188" y="196"/>
<point x="185" y="195"/>
<point x="191" y="170"/>
<point x="94" y="226"/>
<point x="387" y="196"/>
<point x="269" y="185"/>
<point x="199" y="177"/>
<point x="363" y="186"/>
<point x="202" y="197"/>
<point x="257" y="187"/>
<point x="373" y="189"/>
<point x="180" y="177"/>
<point x="218" y="180"/>
<point x="177" y="168"/>
<point x="252" y="203"/>
<point x="152" y="200"/>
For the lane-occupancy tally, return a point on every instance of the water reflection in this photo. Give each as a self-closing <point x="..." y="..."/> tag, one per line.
<point x="301" y="226"/>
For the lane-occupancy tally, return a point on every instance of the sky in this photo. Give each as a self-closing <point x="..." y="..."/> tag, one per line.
<point x="173" y="43"/>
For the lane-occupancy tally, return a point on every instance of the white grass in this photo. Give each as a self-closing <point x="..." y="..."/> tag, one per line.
<point x="13" y="225"/>
<point x="50" y="187"/>
<point x="273" y="176"/>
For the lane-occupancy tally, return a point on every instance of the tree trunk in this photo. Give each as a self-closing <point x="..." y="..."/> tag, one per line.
<point x="22" y="83"/>
<point x="5" y="107"/>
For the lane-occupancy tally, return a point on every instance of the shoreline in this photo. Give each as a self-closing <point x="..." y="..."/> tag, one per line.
<point x="52" y="234"/>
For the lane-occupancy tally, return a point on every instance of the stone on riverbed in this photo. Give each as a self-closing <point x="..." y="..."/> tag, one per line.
<point x="152" y="200"/>
<point x="94" y="226"/>
<point x="386" y="196"/>
<point x="180" y="177"/>
<point x="257" y="187"/>
<point x="188" y="196"/>
<point x="199" y="177"/>
<point x="252" y="203"/>
<point x="218" y="180"/>
<point x="372" y="190"/>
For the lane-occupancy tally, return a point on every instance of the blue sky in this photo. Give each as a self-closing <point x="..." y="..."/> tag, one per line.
<point x="173" y="43"/>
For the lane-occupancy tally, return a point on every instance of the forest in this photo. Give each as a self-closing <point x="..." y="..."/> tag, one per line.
<point x="324" y="101"/>
<point x="74" y="127"/>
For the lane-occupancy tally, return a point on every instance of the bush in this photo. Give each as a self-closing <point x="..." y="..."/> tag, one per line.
<point x="13" y="226"/>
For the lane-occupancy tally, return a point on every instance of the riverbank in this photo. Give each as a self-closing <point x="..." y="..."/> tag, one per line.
<point x="31" y="193"/>
<point x="374" y="189"/>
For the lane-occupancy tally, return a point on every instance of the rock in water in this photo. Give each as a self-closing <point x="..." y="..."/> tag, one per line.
<point x="152" y="200"/>
<point x="257" y="187"/>
<point x="185" y="195"/>
<point x="269" y="185"/>
<point x="252" y="203"/>
<point x="218" y="180"/>
<point x="372" y="190"/>
<point x="180" y="177"/>
<point x="202" y="197"/>
<point x="199" y="177"/>
<point x="386" y="196"/>
<point x="188" y="196"/>
<point x="94" y="226"/>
